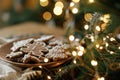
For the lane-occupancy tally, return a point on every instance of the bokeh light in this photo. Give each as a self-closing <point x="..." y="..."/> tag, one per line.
<point x="47" y="15"/>
<point x="57" y="10"/>
<point x="75" y="10"/>
<point x="76" y="1"/>
<point x="44" y="3"/>
<point x="60" y="4"/>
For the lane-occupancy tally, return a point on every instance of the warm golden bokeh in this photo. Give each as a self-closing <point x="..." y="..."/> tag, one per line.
<point x="44" y="3"/>
<point x="47" y="15"/>
<point x="60" y="4"/>
<point x="57" y="10"/>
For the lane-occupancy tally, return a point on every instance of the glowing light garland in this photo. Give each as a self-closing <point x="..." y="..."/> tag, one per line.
<point x="77" y="49"/>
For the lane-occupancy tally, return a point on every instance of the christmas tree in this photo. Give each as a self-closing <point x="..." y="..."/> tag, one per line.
<point x="91" y="37"/>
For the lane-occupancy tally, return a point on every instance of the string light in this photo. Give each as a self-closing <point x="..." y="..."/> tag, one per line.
<point x="44" y="3"/>
<point x="104" y="39"/>
<point x="46" y="59"/>
<point x="107" y="37"/>
<point x="111" y="52"/>
<point x="106" y="44"/>
<point x="101" y="78"/>
<point x="94" y="63"/>
<point x="103" y="26"/>
<point x="47" y="15"/>
<point x="97" y="45"/>
<point x="72" y="4"/>
<point x="105" y="18"/>
<point x="91" y="1"/>
<point x="86" y="27"/>
<point x="119" y="47"/>
<point x="75" y="10"/>
<point x="71" y="38"/>
<point x="101" y="47"/>
<point x="112" y="39"/>
<point x="76" y="1"/>
<point x="81" y="48"/>
<point x="74" y="61"/>
<point x="60" y="4"/>
<point x="92" y="38"/>
<point x="43" y="0"/>
<point x="80" y="53"/>
<point x="74" y="53"/>
<point x="57" y="10"/>
<point x="59" y="70"/>
<point x="49" y="77"/>
<point x="77" y="39"/>
<point x="98" y="28"/>
<point x="40" y="66"/>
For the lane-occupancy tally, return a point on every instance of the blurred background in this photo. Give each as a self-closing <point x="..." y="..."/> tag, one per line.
<point x="46" y="12"/>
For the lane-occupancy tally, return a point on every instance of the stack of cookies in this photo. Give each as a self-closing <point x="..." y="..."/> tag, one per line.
<point x="36" y="50"/>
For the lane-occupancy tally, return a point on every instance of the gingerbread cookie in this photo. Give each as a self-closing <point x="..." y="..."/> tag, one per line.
<point x="56" y="53"/>
<point x="19" y="44"/>
<point x="36" y="50"/>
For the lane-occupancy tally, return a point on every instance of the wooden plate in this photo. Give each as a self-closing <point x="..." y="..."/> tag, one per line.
<point x="5" y="49"/>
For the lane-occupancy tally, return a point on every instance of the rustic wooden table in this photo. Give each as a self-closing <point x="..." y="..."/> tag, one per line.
<point x="30" y="28"/>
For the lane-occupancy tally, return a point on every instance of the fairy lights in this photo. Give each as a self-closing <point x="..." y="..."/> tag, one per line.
<point x="46" y="60"/>
<point x="78" y="50"/>
<point x="59" y="70"/>
<point x="101" y="47"/>
<point x="104" y="39"/>
<point x="71" y="38"/>
<point x="80" y="53"/>
<point x="97" y="45"/>
<point x="49" y="77"/>
<point x="43" y="0"/>
<point x="72" y="4"/>
<point x="94" y="63"/>
<point x="47" y="16"/>
<point x="101" y="78"/>
<point x="105" y="18"/>
<point x="76" y="1"/>
<point x="77" y="39"/>
<point x="92" y="38"/>
<point x="75" y="10"/>
<point x="106" y="44"/>
<point x="91" y="1"/>
<point x="74" y="53"/>
<point x="44" y="3"/>
<point x="60" y="4"/>
<point x="111" y="52"/>
<point x="81" y="48"/>
<point x="98" y="28"/>
<point x="86" y="27"/>
<point x="74" y="61"/>
<point x="57" y="10"/>
<point x="112" y="39"/>
<point x="119" y="47"/>
<point x="40" y="66"/>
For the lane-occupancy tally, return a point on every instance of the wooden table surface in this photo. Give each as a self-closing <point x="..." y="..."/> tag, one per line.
<point x="30" y="28"/>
